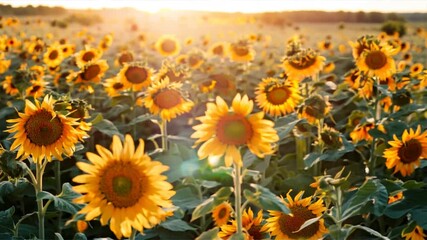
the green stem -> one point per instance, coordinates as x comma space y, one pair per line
238, 198
301, 147
200, 196
16, 230
57, 173
133, 235
38, 186
317, 167
338, 205
164, 132
377, 117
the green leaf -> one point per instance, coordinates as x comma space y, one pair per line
237, 236
408, 109
209, 204
98, 118
63, 202
413, 202
283, 131
265, 199
6, 220
185, 198
108, 128
6, 188
140, 119
369, 230
212, 234
409, 228
80, 236
177, 225
58, 236
412, 184
308, 223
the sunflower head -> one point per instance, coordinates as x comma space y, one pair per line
404, 154
314, 108
361, 131
124, 57
136, 75
241, 51
175, 73
53, 55
331, 138
195, 59
377, 61
167, 45
401, 97
395, 197
222, 213
361, 44
252, 226
416, 69
285, 226
219, 49
124, 187
87, 55
114, 87
416, 234
305, 63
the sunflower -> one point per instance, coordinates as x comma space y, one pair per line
113, 86
405, 46
277, 97
42, 132
416, 234
173, 72
252, 227
68, 49
325, 45
328, 68
135, 75
401, 66
166, 99
285, 226
222, 213
223, 130
53, 55
87, 55
224, 83
377, 61
124, 187
195, 59
361, 131
416, 69
360, 45
91, 74
124, 57
241, 51
167, 45
305, 63
9, 86
314, 108
396, 197
4, 63
36, 47
407, 57
405, 154
36, 89
219, 49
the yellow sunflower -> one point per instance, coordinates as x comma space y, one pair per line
377, 61
360, 45
9, 87
325, 45
166, 99
172, 71
123, 187
124, 57
361, 131
416, 69
314, 108
277, 97
285, 226
405, 154
396, 197
241, 51
195, 59
252, 227
221, 213
4, 63
405, 46
305, 63
42, 132
89, 54
328, 68
219, 49
113, 86
135, 75
53, 56
224, 83
36, 89
90, 74
168, 45
223, 130
416, 234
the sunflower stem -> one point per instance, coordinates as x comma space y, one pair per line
238, 198
38, 187
377, 117
57, 173
301, 146
317, 167
164, 132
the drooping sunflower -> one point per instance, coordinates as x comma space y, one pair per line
175, 73
135, 75
167, 100
361, 131
113, 86
168, 45
89, 54
277, 97
252, 227
221, 213
53, 55
377, 61
305, 63
416, 234
124, 187
314, 108
285, 226
405, 154
223, 130
42, 132
241, 51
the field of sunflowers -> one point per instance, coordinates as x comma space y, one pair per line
211, 128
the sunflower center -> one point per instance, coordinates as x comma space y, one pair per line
88, 56
234, 129
173, 77
290, 224
91, 72
136, 75
303, 63
122, 184
255, 232
218, 50
168, 45
38, 48
222, 213
167, 99
193, 60
241, 50
118, 86
35, 89
42, 129
278, 95
410, 151
125, 57
53, 55
376, 59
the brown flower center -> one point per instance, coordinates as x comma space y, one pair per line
35, 89
303, 63
118, 86
234, 129
125, 57
222, 213
122, 184
173, 77
167, 99
278, 95
410, 151
53, 55
218, 50
136, 74
88, 56
241, 50
376, 59
168, 45
91, 72
290, 224
42, 129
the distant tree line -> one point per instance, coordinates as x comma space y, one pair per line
30, 10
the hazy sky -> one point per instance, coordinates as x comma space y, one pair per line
238, 5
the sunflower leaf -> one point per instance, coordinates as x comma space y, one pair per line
367, 229
265, 199
63, 202
177, 225
308, 223
6, 220
209, 235
108, 128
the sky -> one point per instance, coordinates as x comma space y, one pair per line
248, 6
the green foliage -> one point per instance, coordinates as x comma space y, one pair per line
390, 27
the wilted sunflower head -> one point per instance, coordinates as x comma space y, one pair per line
314, 108
331, 138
